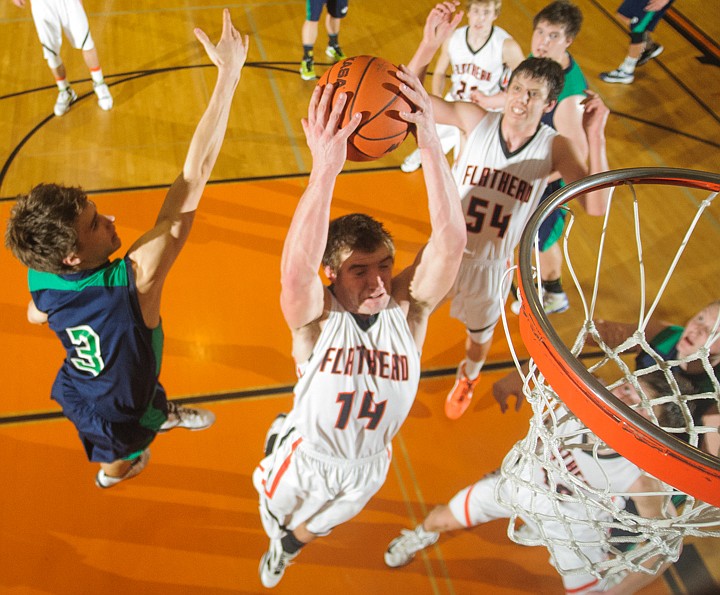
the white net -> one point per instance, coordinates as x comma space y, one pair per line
596, 511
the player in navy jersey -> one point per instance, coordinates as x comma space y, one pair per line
107, 313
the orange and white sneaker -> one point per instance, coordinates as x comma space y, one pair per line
458, 399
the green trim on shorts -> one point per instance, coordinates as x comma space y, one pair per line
641, 26
308, 10
556, 232
133, 456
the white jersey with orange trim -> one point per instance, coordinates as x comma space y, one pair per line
500, 189
481, 70
358, 386
609, 471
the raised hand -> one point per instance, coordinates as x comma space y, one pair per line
327, 141
441, 22
595, 115
231, 51
422, 117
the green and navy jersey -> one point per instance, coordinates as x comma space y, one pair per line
574, 84
665, 343
108, 383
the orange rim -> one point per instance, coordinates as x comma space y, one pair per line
661, 454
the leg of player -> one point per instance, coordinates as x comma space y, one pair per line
281, 553
468, 375
105, 100
555, 300
333, 50
402, 549
307, 64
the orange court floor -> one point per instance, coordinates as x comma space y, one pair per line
189, 522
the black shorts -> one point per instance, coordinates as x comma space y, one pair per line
336, 8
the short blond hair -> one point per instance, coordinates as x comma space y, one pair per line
496, 3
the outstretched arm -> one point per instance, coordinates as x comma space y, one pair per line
426, 282
155, 252
571, 164
302, 295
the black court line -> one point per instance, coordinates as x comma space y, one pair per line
267, 391
281, 67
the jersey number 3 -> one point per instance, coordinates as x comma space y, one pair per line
87, 348
369, 408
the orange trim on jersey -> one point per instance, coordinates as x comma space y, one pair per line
285, 464
468, 522
582, 588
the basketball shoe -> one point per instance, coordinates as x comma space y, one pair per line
335, 53
403, 549
105, 481
412, 162
617, 76
652, 50
555, 303
458, 399
307, 70
187, 417
105, 100
64, 100
273, 564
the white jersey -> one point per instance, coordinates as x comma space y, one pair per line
480, 70
500, 190
610, 471
357, 388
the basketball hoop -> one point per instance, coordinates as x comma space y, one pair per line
570, 403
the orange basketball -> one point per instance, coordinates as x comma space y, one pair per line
373, 89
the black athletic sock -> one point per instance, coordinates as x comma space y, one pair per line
308, 52
553, 286
290, 543
333, 40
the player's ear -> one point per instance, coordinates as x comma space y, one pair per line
330, 274
550, 106
72, 260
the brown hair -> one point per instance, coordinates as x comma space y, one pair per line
41, 231
354, 232
542, 69
564, 14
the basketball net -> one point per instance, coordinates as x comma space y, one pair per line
591, 524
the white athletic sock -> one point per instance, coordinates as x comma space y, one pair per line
628, 65
472, 369
97, 76
421, 532
62, 84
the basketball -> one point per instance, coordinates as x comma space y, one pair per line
373, 90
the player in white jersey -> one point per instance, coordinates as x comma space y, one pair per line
52, 18
480, 57
504, 160
356, 343
479, 503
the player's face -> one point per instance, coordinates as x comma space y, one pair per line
697, 332
481, 17
362, 282
628, 395
527, 100
97, 238
549, 41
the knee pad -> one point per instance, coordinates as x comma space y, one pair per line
481, 335
637, 37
